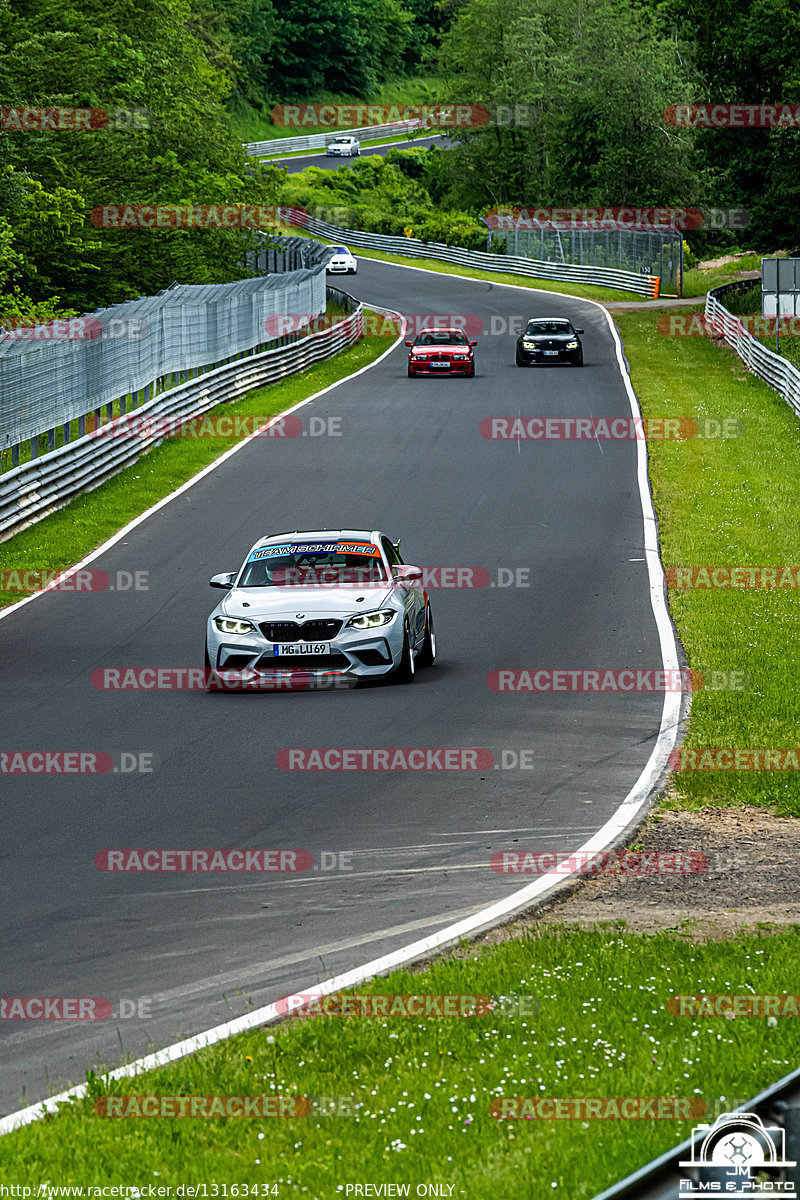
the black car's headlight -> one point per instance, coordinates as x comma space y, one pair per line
372, 620
529, 344
572, 346
233, 625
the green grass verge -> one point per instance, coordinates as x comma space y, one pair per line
697, 282
727, 502
421, 1089
68, 535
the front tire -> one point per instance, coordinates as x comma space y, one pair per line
520, 362
427, 655
405, 670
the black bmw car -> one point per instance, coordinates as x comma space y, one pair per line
549, 340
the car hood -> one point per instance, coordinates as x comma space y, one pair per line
557, 339
311, 601
447, 347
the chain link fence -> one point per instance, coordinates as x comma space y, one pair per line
113, 360
646, 251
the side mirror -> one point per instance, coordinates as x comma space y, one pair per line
579, 331
222, 581
407, 574
473, 343
409, 343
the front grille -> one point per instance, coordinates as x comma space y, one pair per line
303, 662
304, 631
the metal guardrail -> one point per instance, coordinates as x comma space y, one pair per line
314, 141
773, 368
39, 487
660, 1179
627, 281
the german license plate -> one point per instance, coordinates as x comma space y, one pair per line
288, 649
441, 365
551, 352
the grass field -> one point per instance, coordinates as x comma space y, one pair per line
594, 1023
727, 502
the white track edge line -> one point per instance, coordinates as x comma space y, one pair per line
625, 815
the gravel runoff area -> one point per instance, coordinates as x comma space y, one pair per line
750, 882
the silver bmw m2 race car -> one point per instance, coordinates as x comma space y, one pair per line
330, 604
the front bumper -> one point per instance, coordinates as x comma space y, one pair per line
535, 356
354, 654
338, 269
460, 367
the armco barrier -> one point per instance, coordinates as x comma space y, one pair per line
626, 281
39, 487
773, 368
314, 141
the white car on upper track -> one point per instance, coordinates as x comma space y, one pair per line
342, 262
343, 147
319, 605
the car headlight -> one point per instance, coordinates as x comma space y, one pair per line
529, 342
372, 620
233, 625
572, 345
459, 357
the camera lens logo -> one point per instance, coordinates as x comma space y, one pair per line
736, 1145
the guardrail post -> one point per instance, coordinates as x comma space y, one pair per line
51, 438
34, 447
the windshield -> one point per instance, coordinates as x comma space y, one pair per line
335, 564
548, 327
341, 250
444, 337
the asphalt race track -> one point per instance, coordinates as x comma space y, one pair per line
201, 948
318, 158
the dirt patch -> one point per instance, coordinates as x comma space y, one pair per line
751, 879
